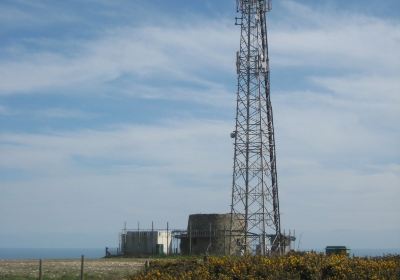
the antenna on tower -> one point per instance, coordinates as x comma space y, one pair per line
269, 5
238, 5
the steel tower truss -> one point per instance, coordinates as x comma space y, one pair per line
255, 189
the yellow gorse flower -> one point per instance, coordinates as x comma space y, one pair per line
292, 266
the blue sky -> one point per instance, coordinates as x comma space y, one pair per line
114, 111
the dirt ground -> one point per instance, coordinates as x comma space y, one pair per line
70, 269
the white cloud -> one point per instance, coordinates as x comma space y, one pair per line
23, 14
49, 113
170, 52
363, 88
337, 140
169, 146
335, 39
62, 113
4, 110
321, 201
177, 165
354, 102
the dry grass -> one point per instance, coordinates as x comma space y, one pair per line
70, 269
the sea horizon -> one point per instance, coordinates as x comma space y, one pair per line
50, 253
97, 253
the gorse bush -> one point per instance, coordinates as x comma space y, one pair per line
294, 266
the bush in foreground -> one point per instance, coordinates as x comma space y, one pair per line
306, 266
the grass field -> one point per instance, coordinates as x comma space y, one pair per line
112, 269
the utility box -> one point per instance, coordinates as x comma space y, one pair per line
337, 250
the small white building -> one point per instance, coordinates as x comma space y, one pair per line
142, 243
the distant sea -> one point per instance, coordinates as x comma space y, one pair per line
50, 253
96, 253
368, 252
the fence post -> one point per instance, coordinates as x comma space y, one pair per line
190, 238
210, 238
167, 239
82, 265
224, 240
152, 238
40, 270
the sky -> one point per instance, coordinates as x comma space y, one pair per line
121, 111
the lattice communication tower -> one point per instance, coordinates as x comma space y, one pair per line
255, 188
